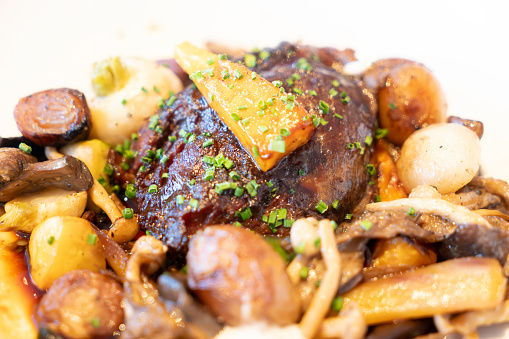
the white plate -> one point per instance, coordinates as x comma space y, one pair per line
54, 43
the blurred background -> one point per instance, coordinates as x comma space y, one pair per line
53, 43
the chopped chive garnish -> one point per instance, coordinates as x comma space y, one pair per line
209, 174
196, 76
108, 169
277, 146
156, 90
304, 271
250, 60
208, 142
378, 198
235, 117
245, 121
381, 133
228, 163
154, 120
128, 213
164, 159
335, 204
180, 200
411, 212
194, 203
130, 191
371, 169
165, 175
242, 107
322, 207
102, 181
124, 101
222, 57
263, 128
313, 93
333, 92
368, 140
392, 105
92, 239
317, 243
253, 76
230, 86
51, 240
256, 153
338, 116
211, 96
284, 132
224, 74
366, 225
246, 213
234, 175
239, 191
171, 100
134, 136
237, 74
277, 83
334, 225
323, 106
96, 322
172, 138
348, 216
143, 89
337, 304
345, 99
264, 55
298, 91
152, 188
25, 148
335, 83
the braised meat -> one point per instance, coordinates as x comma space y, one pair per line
177, 196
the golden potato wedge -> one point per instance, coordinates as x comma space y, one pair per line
268, 123
451, 286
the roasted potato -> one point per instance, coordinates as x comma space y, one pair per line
61, 244
240, 277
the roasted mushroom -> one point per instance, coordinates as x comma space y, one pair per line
20, 173
53, 117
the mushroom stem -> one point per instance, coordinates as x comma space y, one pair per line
122, 230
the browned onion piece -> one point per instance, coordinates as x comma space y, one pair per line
53, 117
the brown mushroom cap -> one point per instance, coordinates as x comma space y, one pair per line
21, 173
